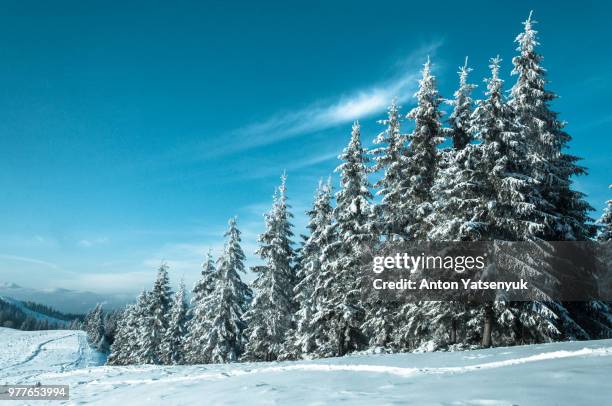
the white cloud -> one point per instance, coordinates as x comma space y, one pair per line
88, 243
326, 114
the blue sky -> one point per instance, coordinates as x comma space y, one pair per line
130, 133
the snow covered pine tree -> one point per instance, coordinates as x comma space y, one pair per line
155, 320
225, 307
198, 324
421, 168
340, 311
172, 345
302, 338
269, 318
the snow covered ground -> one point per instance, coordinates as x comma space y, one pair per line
576, 373
24, 355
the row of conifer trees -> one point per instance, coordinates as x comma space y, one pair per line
504, 176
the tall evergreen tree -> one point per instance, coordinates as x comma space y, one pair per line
270, 316
391, 159
422, 155
340, 311
159, 303
149, 333
225, 307
172, 346
198, 324
302, 339
565, 210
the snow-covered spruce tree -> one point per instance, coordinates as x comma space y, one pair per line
155, 319
421, 165
172, 346
94, 327
269, 318
198, 324
459, 120
340, 312
120, 347
126, 348
421, 157
301, 340
148, 337
391, 214
225, 307
390, 158
566, 209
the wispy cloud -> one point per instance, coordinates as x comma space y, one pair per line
28, 260
330, 113
88, 243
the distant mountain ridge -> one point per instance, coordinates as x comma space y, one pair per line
64, 300
27, 311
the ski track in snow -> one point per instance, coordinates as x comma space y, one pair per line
37, 350
575, 373
45, 351
382, 369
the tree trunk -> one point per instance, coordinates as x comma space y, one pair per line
487, 327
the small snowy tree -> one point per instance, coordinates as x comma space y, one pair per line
172, 346
270, 316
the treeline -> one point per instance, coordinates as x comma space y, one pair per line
505, 176
13, 316
51, 312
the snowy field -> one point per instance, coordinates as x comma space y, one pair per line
577, 373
